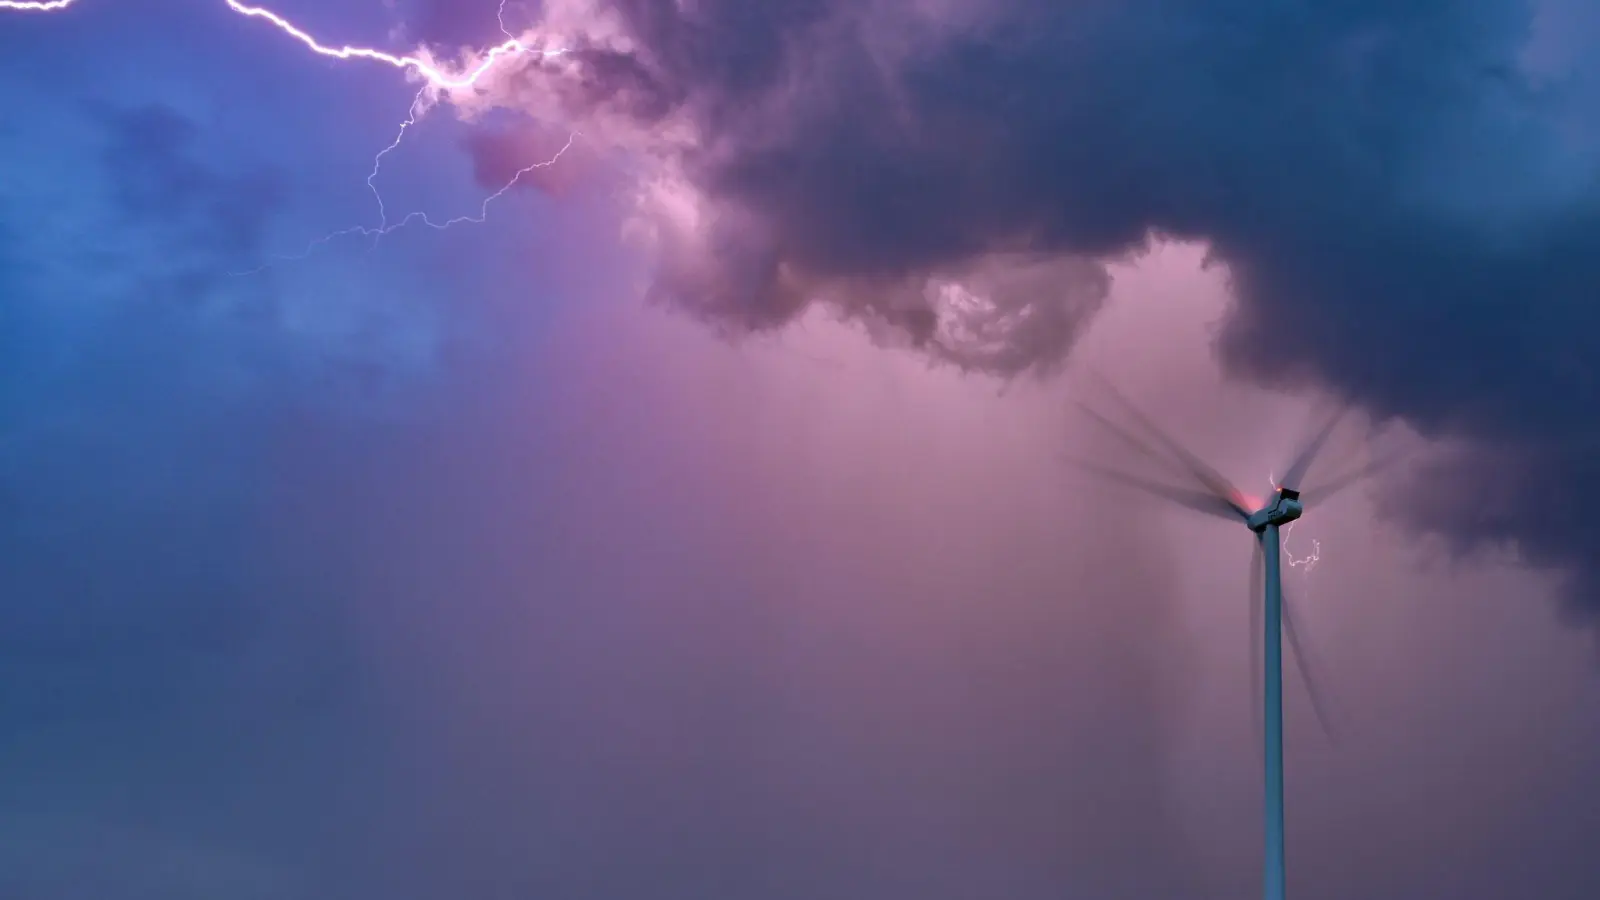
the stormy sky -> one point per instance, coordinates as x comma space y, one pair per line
697, 526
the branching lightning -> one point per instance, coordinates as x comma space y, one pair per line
384, 226
434, 79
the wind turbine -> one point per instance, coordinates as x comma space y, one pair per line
1270, 620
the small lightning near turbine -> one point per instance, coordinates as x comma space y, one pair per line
434, 78
1310, 560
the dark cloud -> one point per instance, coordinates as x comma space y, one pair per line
1405, 207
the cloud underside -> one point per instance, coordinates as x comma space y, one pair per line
1406, 213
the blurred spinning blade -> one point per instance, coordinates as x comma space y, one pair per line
1306, 662
1300, 648
1197, 501
1164, 449
1328, 489
1301, 464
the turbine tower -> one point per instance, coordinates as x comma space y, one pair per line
1213, 495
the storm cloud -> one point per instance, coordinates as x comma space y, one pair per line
1401, 194
434, 567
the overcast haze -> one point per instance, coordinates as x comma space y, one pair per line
699, 527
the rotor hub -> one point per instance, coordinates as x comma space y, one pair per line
1284, 508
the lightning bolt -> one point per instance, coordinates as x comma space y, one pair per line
36, 5
434, 76
1310, 560
1314, 556
434, 79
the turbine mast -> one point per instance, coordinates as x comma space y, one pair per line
1219, 498
1273, 708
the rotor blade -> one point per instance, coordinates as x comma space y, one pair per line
1197, 501
1207, 476
1337, 483
1302, 463
1258, 602
1143, 447
1307, 665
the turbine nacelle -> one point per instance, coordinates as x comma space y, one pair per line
1284, 508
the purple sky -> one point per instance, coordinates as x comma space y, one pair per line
477, 565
